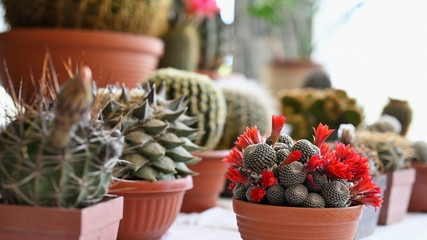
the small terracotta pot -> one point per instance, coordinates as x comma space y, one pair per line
418, 202
112, 56
150, 208
397, 196
208, 184
258, 222
100, 221
370, 215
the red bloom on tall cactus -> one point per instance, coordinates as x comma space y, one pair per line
343, 151
251, 136
336, 169
201, 8
366, 192
234, 157
321, 134
358, 166
268, 178
257, 194
292, 157
236, 176
277, 124
314, 163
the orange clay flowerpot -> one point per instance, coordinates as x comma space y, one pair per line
397, 196
208, 184
150, 208
266, 222
100, 221
112, 56
418, 202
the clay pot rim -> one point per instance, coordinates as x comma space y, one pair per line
419, 165
113, 39
143, 186
212, 154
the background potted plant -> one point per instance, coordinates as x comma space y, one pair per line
55, 167
158, 145
118, 39
418, 202
207, 104
298, 185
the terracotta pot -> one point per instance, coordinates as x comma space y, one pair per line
370, 215
150, 208
418, 202
112, 56
287, 74
397, 196
100, 221
208, 184
258, 222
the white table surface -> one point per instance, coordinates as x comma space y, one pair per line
219, 223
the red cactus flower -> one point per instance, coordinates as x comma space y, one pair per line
336, 169
236, 176
373, 200
234, 157
201, 8
277, 122
257, 194
321, 134
366, 187
358, 166
343, 151
268, 178
314, 163
292, 157
251, 136
311, 181
324, 149
232, 186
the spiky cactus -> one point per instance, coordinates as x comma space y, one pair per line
318, 79
53, 153
401, 110
205, 101
157, 137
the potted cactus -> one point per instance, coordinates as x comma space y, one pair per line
118, 39
158, 142
298, 189
207, 104
418, 202
56, 160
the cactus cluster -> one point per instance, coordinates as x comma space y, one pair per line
308, 107
158, 139
206, 101
148, 17
248, 104
402, 111
54, 152
279, 171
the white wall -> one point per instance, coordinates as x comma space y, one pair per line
379, 52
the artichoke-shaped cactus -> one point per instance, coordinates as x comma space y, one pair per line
158, 139
311, 175
53, 153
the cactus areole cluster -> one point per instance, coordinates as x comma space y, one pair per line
280, 171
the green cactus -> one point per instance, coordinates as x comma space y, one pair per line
182, 48
318, 79
308, 107
420, 148
157, 136
401, 110
148, 17
249, 104
52, 154
206, 101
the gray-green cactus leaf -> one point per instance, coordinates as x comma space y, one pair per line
153, 150
129, 122
163, 176
180, 154
190, 146
165, 164
154, 126
147, 173
187, 120
182, 130
170, 140
143, 112
170, 115
138, 137
176, 103
183, 170
137, 160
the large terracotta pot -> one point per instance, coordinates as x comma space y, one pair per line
112, 56
397, 196
418, 202
370, 215
208, 184
100, 221
150, 208
287, 74
266, 222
